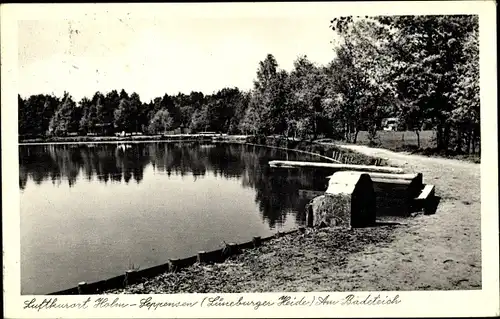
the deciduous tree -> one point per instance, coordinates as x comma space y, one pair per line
161, 122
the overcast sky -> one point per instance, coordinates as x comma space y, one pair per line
157, 56
155, 49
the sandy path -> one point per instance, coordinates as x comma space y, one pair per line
435, 252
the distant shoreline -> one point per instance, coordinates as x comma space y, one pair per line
134, 139
308, 147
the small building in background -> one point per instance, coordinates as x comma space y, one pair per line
390, 124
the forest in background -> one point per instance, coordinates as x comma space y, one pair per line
422, 69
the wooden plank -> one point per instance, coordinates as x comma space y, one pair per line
384, 176
427, 192
392, 181
363, 168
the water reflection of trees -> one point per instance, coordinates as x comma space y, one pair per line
277, 190
65, 162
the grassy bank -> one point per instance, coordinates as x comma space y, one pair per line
406, 141
401, 140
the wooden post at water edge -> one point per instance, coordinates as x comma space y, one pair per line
82, 288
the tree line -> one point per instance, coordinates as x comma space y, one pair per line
422, 69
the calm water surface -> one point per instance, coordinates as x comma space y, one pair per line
92, 211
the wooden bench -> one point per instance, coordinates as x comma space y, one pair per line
391, 178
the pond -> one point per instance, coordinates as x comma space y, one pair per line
92, 211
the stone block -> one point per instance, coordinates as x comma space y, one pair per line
348, 202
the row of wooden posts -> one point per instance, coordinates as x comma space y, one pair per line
173, 265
